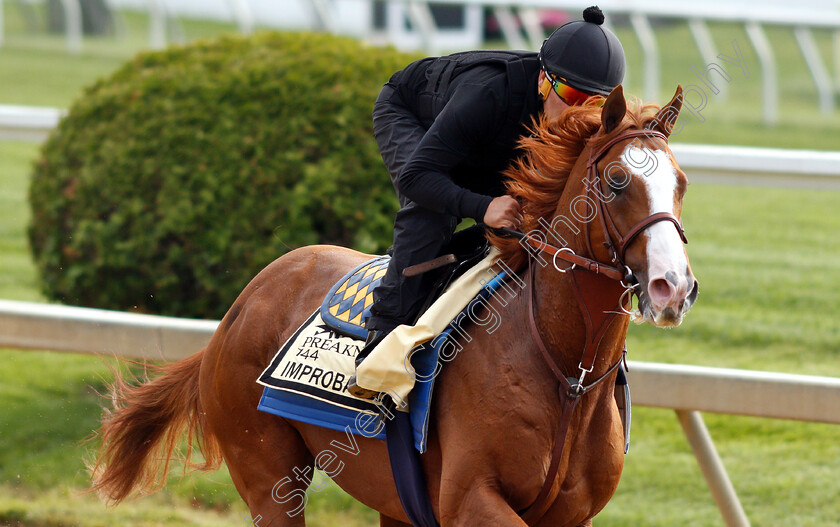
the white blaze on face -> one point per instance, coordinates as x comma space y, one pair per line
665, 250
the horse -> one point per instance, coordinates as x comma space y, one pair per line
506, 447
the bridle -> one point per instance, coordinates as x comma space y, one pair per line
618, 248
603, 291
616, 243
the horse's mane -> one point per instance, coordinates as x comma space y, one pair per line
538, 178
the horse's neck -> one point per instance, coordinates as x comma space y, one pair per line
559, 320
558, 314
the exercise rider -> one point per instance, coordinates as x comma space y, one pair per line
448, 126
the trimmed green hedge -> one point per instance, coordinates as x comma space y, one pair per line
174, 181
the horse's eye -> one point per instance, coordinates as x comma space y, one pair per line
617, 185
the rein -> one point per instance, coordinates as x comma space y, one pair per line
602, 292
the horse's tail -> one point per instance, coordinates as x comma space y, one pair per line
145, 426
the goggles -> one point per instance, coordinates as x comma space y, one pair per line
569, 95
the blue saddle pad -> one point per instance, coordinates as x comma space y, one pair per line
336, 330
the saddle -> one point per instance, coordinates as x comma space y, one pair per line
466, 248
307, 378
346, 307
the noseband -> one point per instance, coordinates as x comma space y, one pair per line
600, 289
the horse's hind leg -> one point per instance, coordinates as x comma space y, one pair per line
267, 458
270, 471
385, 521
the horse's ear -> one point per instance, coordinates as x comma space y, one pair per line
667, 116
614, 109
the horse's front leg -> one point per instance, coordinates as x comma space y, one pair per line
475, 505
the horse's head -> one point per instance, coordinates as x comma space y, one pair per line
639, 194
601, 182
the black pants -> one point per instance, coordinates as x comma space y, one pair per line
419, 233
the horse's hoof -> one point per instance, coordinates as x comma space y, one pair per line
358, 391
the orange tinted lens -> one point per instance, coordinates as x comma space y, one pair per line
572, 96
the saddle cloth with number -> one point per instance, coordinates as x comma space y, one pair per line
307, 379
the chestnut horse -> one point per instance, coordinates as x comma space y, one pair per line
496, 410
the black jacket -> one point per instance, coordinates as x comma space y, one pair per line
474, 107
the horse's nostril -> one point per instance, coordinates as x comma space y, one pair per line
661, 291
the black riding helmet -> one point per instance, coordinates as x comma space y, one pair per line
584, 54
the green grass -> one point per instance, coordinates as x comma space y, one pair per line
18, 277
36, 69
767, 260
739, 118
769, 271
